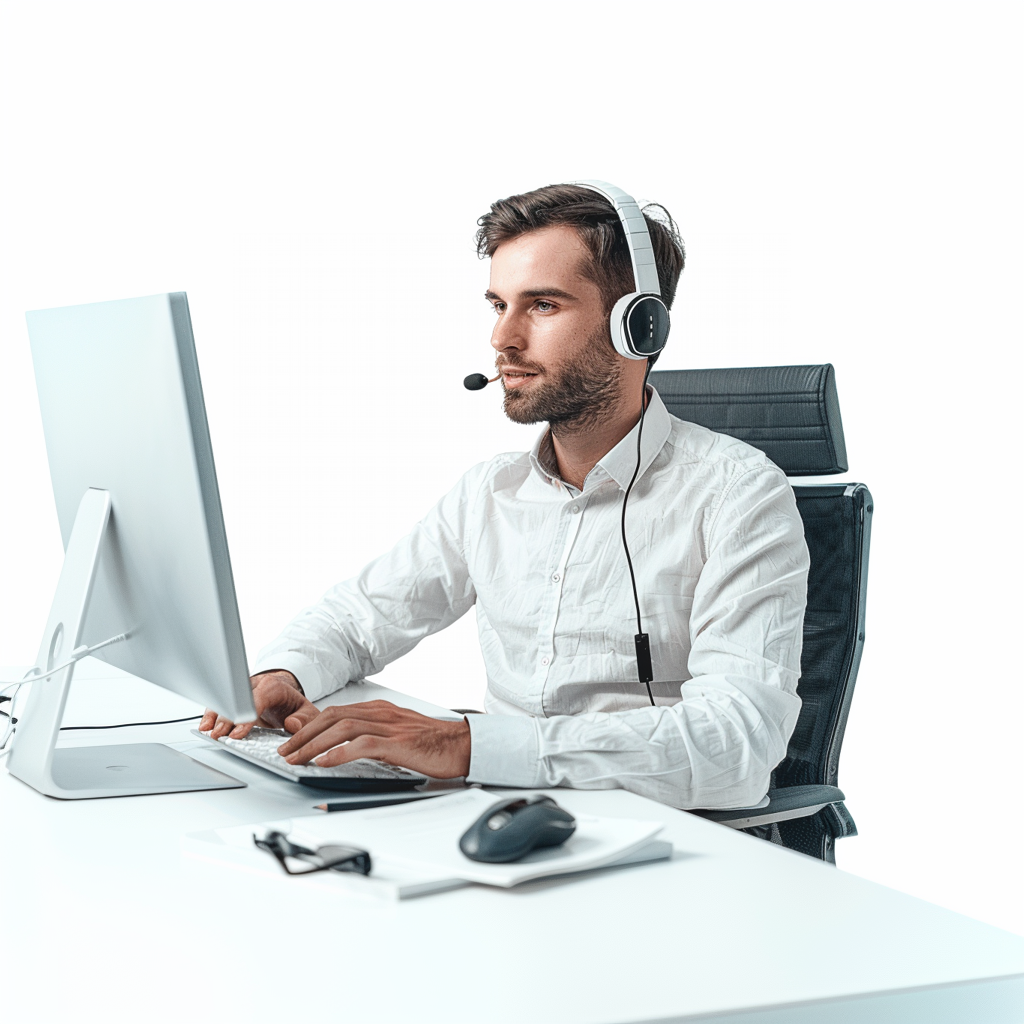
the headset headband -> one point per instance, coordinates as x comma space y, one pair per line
638, 238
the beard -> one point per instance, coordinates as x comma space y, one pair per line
575, 397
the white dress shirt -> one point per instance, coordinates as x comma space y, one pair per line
721, 569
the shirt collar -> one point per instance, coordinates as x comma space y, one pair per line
620, 462
542, 458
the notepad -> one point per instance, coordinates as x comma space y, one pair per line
415, 848
425, 836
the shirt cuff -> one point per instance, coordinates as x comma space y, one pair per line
309, 674
505, 751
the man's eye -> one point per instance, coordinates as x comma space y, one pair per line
499, 307
544, 306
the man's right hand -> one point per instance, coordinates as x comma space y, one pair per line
280, 704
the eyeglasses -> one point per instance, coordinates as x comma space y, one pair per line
326, 858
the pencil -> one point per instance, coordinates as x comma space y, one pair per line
383, 801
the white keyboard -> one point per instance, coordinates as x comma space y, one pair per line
260, 747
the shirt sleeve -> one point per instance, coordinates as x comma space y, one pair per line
419, 587
717, 747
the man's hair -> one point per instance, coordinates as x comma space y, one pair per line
599, 227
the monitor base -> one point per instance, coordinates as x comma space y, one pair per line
129, 769
81, 773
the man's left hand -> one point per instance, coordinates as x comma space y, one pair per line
386, 732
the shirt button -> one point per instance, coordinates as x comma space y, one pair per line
575, 509
556, 577
544, 660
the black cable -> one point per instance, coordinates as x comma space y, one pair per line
642, 642
120, 725
129, 725
7, 714
625, 498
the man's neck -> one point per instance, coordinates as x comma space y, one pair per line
579, 447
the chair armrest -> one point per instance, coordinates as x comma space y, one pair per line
783, 805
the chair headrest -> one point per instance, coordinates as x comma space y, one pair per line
790, 412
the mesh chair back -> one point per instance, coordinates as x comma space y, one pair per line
837, 528
792, 414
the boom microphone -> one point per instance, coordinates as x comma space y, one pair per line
476, 381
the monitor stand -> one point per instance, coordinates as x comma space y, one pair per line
81, 773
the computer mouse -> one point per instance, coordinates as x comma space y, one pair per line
512, 828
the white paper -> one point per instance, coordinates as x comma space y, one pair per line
424, 837
233, 847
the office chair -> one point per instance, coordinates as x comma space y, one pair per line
791, 413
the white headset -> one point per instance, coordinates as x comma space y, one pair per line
639, 321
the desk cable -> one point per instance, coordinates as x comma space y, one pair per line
76, 655
33, 674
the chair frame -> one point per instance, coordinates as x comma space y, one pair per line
788, 803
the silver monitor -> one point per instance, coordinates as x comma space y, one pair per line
146, 555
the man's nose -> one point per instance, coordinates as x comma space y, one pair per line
508, 334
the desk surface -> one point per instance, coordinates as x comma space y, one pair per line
102, 917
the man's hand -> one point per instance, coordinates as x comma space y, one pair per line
280, 704
381, 730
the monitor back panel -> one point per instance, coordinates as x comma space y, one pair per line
123, 410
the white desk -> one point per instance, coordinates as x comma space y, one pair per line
101, 918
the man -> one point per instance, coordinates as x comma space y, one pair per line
533, 541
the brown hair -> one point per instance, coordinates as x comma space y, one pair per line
600, 229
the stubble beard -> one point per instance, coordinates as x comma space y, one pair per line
576, 397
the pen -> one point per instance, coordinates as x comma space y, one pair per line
383, 801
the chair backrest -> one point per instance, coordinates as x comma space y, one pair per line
791, 413
837, 527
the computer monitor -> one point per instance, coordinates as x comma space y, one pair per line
146, 553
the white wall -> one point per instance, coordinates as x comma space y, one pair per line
847, 178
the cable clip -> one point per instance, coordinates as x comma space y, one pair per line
644, 665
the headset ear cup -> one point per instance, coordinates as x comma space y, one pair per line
639, 325
618, 328
647, 325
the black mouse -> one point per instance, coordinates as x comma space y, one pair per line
512, 828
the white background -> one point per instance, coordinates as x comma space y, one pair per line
847, 179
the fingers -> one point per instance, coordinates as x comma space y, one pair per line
323, 733
379, 712
379, 748
218, 726
221, 727
302, 717
378, 729
276, 701
310, 729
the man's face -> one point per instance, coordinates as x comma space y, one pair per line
554, 353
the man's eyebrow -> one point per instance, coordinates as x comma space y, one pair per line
535, 293
538, 293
